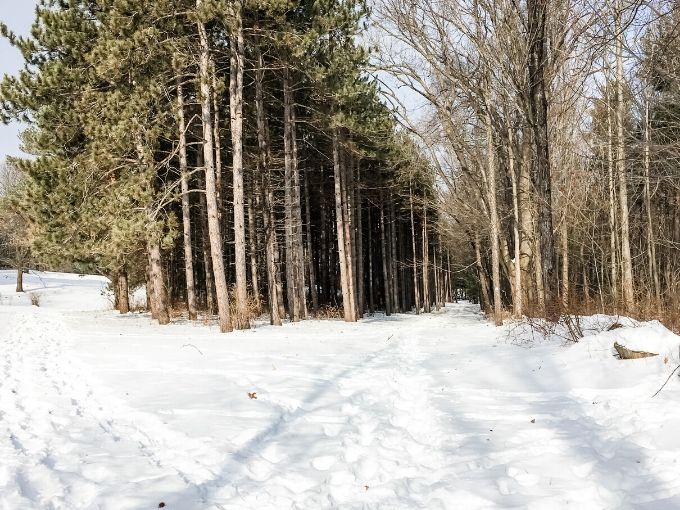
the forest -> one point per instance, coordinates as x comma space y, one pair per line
340, 254
331, 158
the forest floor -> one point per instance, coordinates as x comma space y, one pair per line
99, 410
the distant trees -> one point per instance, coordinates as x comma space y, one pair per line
568, 201
15, 248
234, 157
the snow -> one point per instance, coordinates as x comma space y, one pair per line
437, 411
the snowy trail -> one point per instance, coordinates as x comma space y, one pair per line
434, 411
51, 418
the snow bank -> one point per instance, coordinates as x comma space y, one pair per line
59, 291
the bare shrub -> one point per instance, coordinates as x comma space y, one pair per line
329, 312
529, 330
35, 298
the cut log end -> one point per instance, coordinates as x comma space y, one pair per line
625, 353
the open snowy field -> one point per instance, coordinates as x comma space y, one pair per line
99, 410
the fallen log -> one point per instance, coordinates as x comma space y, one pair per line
625, 353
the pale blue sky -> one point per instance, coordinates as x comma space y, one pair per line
18, 15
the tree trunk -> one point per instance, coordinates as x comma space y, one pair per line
294, 250
393, 257
564, 279
426, 263
371, 298
651, 243
483, 279
20, 279
310, 253
517, 295
186, 205
385, 256
493, 211
614, 274
241, 319
537, 11
325, 256
346, 181
221, 289
626, 260
361, 304
253, 248
218, 150
271, 243
342, 232
414, 252
159, 296
123, 291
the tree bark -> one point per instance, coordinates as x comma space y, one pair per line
274, 286
20, 279
295, 283
342, 232
651, 242
426, 262
626, 260
310, 253
385, 257
493, 211
221, 289
517, 295
537, 11
241, 319
371, 298
359, 240
123, 291
186, 205
393, 257
414, 253
159, 296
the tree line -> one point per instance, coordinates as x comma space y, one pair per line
235, 157
552, 126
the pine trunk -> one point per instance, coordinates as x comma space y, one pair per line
186, 205
342, 232
159, 296
310, 253
123, 291
414, 252
221, 289
385, 257
241, 319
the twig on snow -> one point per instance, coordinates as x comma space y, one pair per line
664, 384
192, 345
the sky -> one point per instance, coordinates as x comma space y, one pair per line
18, 16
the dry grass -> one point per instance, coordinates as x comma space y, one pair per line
328, 312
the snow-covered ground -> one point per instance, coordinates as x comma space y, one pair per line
99, 410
